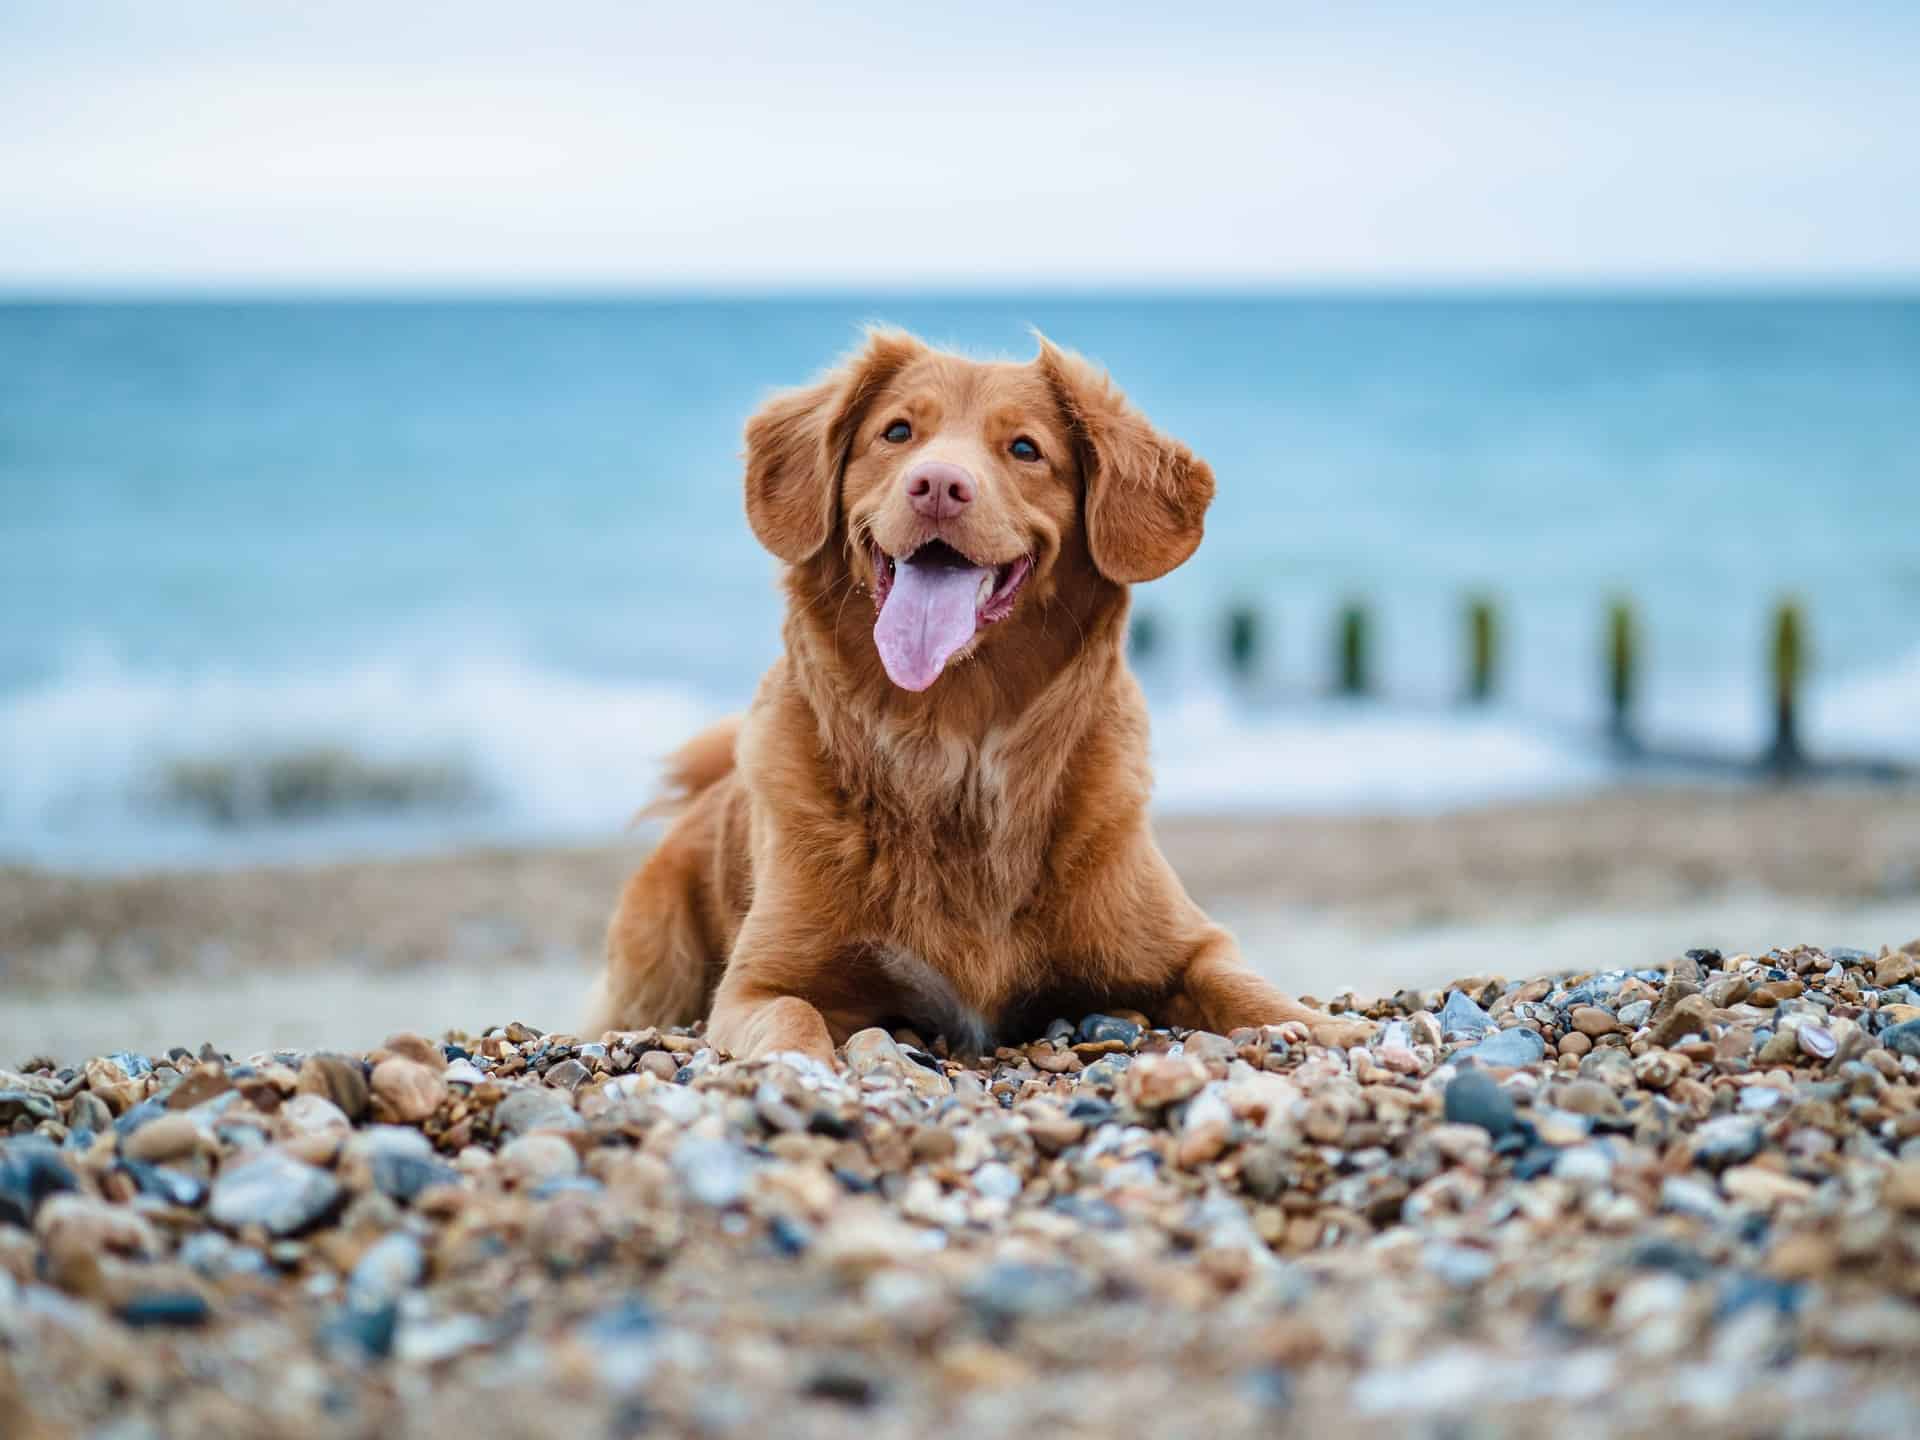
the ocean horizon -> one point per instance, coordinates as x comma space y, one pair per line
323, 576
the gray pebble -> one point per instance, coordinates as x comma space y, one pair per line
1475, 1098
714, 1171
30, 1171
1903, 1039
1507, 1049
19, 1104
1461, 1019
1727, 1140
275, 1191
1097, 1028
391, 1266
533, 1108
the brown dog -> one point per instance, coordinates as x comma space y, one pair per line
938, 815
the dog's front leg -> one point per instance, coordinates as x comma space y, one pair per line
1219, 993
778, 989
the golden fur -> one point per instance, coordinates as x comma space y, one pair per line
974, 858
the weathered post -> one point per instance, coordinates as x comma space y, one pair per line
1789, 672
1352, 662
1482, 649
1623, 661
1143, 635
1243, 642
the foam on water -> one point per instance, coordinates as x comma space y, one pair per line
1211, 757
109, 765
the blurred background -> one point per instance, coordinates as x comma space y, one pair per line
371, 383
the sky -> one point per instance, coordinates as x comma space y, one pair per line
261, 144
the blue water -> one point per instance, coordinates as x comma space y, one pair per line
503, 541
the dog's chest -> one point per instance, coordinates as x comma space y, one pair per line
946, 845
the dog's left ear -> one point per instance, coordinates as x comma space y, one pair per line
797, 445
1147, 494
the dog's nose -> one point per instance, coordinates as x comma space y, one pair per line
938, 490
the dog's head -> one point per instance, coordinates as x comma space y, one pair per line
963, 494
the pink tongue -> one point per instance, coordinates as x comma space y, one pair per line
929, 613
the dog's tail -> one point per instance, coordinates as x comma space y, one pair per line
698, 765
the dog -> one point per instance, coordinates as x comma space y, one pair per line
935, 809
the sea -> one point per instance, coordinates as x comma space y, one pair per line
301, 579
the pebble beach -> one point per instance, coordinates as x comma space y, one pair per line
1606, 1203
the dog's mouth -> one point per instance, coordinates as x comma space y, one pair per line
932, 602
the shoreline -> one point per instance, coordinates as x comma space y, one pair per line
348, 952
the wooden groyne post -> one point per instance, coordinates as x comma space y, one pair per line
1483, 638
1243, 641
1789, 666
1143, 635
1353, 667
1623, 660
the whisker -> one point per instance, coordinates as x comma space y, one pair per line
837, 615
846, 580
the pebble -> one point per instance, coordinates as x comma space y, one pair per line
1535, 1228
170, 1137
418, 1049
309, 1114
70, 1225
396, 1160
1903, 1039
30, 1171
165, 1184
1727, 1140
273, 1191
1105, 1029
166, 1309
867, 1049
1475, 1098
1584, 1165
1461, 1019
714, 1171
533, 1159
362, 1331
1506, 1050
1156, 1081
1760, 1185
1817, 1041
338, 1079
1593, 1022
996, 1181
405, 1091
871, 1050
1688, 1017
530, 1108
390, 1267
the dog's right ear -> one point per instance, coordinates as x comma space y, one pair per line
797, 445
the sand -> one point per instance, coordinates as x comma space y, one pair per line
345, 954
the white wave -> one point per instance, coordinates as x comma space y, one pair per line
535, 754
548, 755
1876, 713
1210, 755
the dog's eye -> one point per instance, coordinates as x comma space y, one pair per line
1024, 449
899, 432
